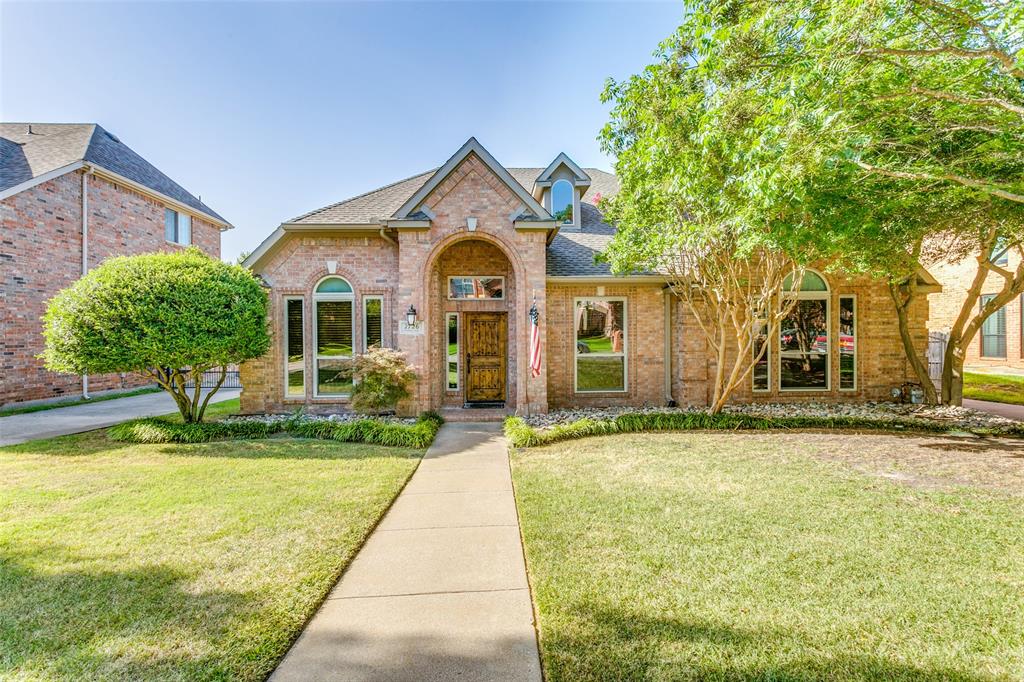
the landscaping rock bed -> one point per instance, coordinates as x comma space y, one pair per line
930, 416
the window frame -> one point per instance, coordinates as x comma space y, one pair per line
810, 296
856, 341
982, 302
624, 353
284, 335
767, 358
448, 293
177, 226
572, 201
458, 352
372, 297
332, 296
1002, 248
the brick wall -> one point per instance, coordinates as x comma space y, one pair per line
880, 361
41, 253
368, 262
946, 306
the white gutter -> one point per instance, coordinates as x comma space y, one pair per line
86, 170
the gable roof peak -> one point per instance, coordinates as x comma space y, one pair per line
472, 146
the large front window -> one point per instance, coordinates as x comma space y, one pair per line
600, 345
993, 331
803, 338
335, 331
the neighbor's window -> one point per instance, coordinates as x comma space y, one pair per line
177, 227
600, 345
562, 202
373, 322
803, 338
476, 287
452, 324
1000, 252
762, 373
847, 343
294, 351
993, 331
335, 329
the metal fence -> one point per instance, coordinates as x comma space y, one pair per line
210, 378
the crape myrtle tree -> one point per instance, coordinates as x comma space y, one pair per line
873, 134
678, 131
170, 316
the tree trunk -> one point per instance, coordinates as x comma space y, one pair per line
920, 368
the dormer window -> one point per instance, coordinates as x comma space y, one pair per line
562, 202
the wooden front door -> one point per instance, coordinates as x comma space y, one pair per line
486, 341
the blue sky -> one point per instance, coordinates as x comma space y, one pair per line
269, 110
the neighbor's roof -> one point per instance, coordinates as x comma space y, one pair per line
30, 150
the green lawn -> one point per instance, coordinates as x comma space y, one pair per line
771, 556
76, 401
176, 562
995, 387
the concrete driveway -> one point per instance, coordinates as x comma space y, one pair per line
1002, 409
60, 421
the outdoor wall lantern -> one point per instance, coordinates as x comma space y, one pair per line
410, 316
471, 224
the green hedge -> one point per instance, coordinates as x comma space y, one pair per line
157, 430
522, 435
418, 435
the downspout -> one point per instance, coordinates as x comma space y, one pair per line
667, 294
387, 237
86, 170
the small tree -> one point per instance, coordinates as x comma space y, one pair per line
382, 379
170, 316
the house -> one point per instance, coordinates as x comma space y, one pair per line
72, 195
1000, 341
445, 266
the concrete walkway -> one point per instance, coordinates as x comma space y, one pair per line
439, 591
1002, 409
60, 421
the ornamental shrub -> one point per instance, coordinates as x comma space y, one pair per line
165, 315
382, 379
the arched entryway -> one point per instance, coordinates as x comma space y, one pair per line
473, 335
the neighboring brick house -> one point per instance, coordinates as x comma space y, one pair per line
445, 266
71, 196
1000, 342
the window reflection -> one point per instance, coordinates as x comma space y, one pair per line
803, 345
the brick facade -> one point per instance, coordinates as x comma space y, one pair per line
945, 307
411, 268
41, 253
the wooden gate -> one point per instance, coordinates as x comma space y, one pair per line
936, 352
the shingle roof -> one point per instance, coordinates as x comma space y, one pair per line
570, 254
49, 146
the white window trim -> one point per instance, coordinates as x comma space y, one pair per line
575, 202
811, 296
366, 326
316, 329
177, 222
981, 329
452, 298
458, 353
284, 326
768, 357
856, 342
625, 346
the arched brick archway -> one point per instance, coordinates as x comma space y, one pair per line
481, 254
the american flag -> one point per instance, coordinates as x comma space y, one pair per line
534, 339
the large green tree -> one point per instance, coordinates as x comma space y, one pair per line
171, 316
873, 134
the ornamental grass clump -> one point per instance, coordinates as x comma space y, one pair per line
157, 430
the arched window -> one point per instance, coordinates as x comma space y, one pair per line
333, 336
804, 336
562, 202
